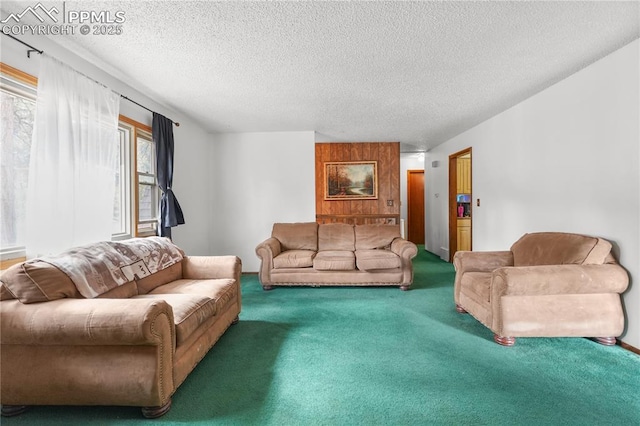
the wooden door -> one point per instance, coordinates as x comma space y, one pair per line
415, 206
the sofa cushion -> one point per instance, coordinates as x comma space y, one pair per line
335, 260
294, 259
600, 254
375, 236
167, 275
296, 236
221, 290
336, 236
124, 291
37, 281
559, 248
189, 311
370, 260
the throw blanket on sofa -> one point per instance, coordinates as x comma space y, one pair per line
99, 267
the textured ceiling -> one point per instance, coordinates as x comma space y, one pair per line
415, 72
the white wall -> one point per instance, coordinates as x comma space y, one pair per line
259, 179
566, 159
192, 144
190, 185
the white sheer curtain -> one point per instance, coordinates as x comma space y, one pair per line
73, 161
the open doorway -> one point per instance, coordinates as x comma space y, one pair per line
460, 212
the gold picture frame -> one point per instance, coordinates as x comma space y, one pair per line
351, 180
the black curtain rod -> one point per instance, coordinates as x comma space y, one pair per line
142, 106
33, 49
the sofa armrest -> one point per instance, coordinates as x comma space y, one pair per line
558, 279
481, 261
404, 248
87, 322
268, 249
211, 267
477, 261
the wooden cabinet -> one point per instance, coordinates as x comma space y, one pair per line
463, 178
464, 234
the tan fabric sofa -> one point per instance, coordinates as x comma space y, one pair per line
132, 345
549, 284
335, 254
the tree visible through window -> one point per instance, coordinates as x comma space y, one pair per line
18, 110
147, 183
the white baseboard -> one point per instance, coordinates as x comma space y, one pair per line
444, 254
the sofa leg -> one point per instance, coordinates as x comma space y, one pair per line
235, 321
606, 341
404, 287
504, 341
267, 287
13, 410
155, 412
460, 309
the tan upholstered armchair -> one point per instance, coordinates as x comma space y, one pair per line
549, 284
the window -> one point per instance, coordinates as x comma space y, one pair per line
17, 97
147, 184
136, 195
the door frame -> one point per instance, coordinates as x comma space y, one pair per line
453, 192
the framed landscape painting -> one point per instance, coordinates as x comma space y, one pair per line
351, 180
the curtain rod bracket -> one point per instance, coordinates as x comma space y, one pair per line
33, 50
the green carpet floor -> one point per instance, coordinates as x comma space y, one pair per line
381, 356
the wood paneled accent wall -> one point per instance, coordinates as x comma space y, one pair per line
387, 154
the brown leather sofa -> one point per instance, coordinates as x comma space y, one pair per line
549, 284
132, 345
336, 254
